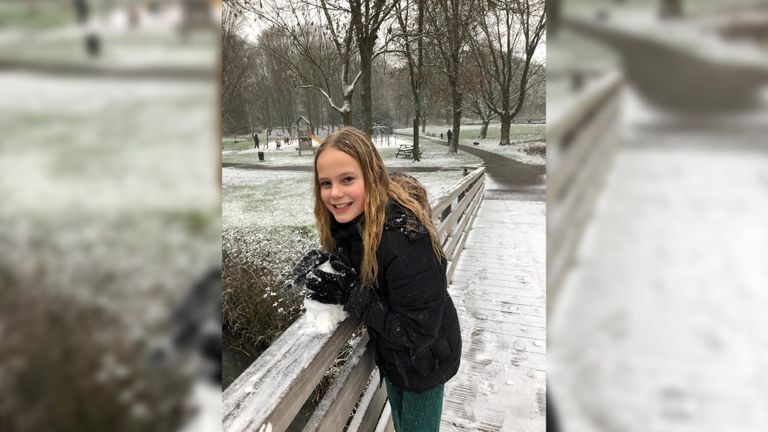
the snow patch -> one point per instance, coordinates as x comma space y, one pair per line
326, 267
321, 317
206, 399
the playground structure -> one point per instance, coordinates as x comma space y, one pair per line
381, 134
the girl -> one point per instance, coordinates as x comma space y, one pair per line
390, 274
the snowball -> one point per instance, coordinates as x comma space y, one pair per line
326, 267
321, 317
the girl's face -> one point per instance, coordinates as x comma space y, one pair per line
342, 187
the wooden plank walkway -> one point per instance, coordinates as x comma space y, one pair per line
499, 291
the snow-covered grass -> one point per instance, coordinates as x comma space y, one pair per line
265, 199
110, 209
469, 132
45, 15
271, 198
155, 42
433, 154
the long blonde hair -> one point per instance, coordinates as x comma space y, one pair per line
378, 191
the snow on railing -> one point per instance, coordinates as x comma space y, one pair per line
582, 138
268, 395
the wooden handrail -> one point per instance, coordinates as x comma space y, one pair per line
270, 393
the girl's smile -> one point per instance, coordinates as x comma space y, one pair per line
342, 187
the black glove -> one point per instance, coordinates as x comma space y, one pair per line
308, 262
331, 288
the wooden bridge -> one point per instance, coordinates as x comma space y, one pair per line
495, 272
652, 314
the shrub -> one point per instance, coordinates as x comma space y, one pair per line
66, 366
536, 149
256, 265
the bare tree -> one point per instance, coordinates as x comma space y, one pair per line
236, 60
475, 85
512, 31
410, 34
367, 17
452, 22
322, 37
273, 93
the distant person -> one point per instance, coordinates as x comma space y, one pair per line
389, 272
255, 140
450, 135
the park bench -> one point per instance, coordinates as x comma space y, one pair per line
406, 151
306, 145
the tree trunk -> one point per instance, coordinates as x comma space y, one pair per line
346, 116
416, 121
366, 54
506, 122
456, 102
484, 128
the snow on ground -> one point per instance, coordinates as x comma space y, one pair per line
100, 181
269, 198
499, 291
266, 198
155, 42
104, 145
433, 154
659, 325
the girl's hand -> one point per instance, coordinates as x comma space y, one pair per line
306, 264
331, 287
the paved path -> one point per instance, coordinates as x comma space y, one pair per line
499, 291
509, 179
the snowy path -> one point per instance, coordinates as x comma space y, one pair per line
660, 325
499, 291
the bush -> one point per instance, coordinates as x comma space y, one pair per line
70, 367
536, 149
256, 265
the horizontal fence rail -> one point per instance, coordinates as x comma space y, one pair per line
271, 391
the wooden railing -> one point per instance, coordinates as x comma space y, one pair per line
269, 394
582, 139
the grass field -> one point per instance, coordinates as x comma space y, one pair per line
16, 14
433, 154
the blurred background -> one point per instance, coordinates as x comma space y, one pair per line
657, 117
110, 218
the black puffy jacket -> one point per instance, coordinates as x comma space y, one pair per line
411, 319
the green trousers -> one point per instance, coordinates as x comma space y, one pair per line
414, 412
